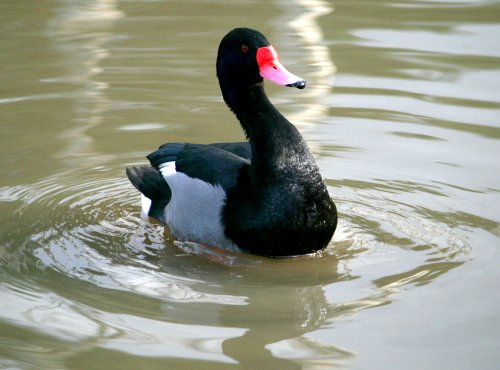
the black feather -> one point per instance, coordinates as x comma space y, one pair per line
216, 164
150, 182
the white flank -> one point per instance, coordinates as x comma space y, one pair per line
194, 212
145, 204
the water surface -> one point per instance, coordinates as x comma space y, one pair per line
402, 111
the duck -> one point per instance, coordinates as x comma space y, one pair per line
264, 196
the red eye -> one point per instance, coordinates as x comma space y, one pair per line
245, 48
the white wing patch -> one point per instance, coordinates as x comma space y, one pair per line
194, 211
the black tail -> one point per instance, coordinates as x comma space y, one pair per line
151, 183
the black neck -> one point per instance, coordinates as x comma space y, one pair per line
276, 143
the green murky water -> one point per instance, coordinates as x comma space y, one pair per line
402, 112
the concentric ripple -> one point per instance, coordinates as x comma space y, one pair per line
89, 228
128, 277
